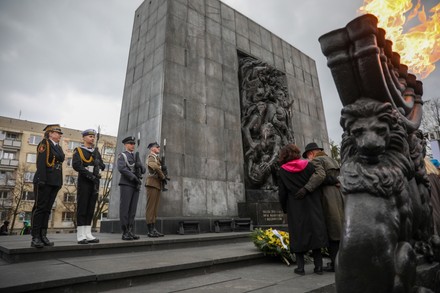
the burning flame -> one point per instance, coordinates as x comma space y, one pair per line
419, 48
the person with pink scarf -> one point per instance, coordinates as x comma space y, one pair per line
305, 218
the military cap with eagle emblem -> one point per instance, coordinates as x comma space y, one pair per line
130, 139
53, 128
88, 132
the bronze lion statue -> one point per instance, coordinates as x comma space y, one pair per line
387, 212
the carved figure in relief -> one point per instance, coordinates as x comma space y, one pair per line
265, 120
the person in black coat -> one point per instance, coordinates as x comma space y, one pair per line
4, 228
83, 161
129, 185
307, 230
47, 181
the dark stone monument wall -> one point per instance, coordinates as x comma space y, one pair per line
182, 85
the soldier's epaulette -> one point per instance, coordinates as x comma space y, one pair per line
41, 148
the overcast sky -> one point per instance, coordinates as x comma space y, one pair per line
64, 61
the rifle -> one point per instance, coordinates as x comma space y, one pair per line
138, 163
164, 167
97, 162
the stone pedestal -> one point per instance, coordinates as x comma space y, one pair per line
182, 85
263, 207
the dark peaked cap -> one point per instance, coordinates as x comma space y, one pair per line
53, 127
130, 139
153, 144
310, 147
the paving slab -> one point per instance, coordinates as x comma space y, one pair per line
237, 266
269, 277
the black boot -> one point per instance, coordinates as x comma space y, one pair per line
36, 239
130, 231
317, 260
300, 263
44, 238
156, 232
151, 233
125, 233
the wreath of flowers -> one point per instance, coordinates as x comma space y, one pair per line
273, 242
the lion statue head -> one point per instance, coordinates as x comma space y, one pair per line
374, 151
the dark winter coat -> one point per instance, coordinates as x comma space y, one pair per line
305, 217
435, 200
325, 178
50, 158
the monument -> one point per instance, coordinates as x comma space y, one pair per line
225, 93
388, 229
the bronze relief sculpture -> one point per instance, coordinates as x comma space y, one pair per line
265, 120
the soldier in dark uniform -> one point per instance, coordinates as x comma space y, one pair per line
129, 185
155, 178
87, 162
48, 180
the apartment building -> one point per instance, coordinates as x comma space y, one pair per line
18, 154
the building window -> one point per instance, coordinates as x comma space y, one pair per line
2, 135
4, 194
9, 155
67, 216
28, 195
109, 151
35, 139
70, 180
31, 158
11, 135
7, 178
108, 166
25, 216
69, 162
3, 215
29, 176
73, 144
69, 197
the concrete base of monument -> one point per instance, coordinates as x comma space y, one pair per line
263, 207
176, 225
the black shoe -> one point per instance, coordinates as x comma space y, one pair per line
84, 241
153, 235
44, 239
318, 270
94, 240
126, 236
134, 236
157, 233
36, 242
299, 271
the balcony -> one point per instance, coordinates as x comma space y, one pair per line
8, 183
6, 202
9, 143
13, 163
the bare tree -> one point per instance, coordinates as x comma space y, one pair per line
70, 191
431, 115
103, 197
23, 183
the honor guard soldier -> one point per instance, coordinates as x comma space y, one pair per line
129, 187
155, 178
88, 163
48, 180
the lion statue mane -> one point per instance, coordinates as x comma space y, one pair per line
387, 201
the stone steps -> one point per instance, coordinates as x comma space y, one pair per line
15, 249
